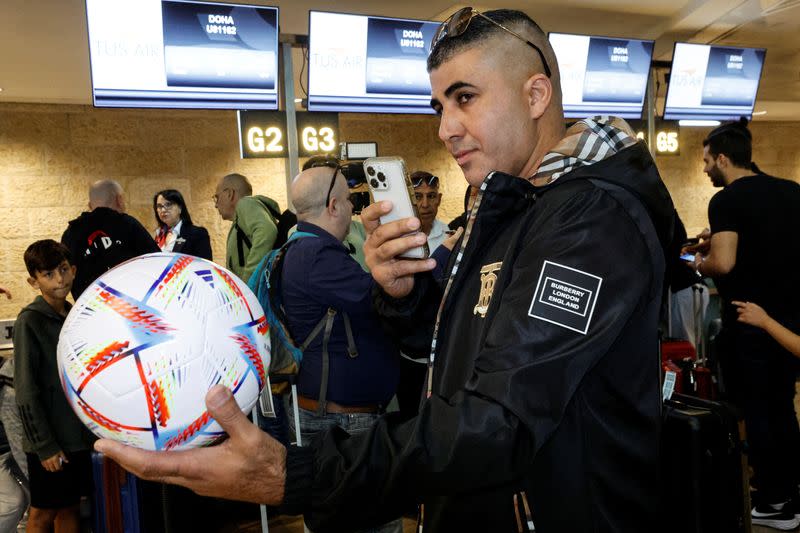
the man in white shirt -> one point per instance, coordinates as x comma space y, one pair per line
426, 190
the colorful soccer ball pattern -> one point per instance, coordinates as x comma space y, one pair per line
145, 342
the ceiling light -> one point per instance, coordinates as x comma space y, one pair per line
298, 100
698, 123
759, 113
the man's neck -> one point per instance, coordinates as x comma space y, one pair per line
735, 173
548, 139
426, 227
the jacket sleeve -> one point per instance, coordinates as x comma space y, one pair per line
525, 375
27, 354
409, 321
259, 227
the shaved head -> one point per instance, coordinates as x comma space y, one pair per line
480, 32
500, 45
309, 194
106, 193
309, 190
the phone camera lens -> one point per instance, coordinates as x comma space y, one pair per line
370, 171
381, 177
374, 183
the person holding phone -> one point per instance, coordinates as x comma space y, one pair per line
535, 413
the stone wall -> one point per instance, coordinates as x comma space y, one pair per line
49, 154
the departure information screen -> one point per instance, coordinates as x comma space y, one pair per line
602, 75
173, 53
713, 82
360, 63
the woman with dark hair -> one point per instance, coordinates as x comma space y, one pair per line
175, 231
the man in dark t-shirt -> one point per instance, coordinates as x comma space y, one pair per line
753, 254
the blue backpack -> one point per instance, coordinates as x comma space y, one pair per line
287, 354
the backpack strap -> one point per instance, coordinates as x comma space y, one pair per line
326, 363
241, 241
352, 351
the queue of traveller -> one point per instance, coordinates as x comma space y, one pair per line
523, 351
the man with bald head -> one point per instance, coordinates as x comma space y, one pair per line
346, 380
104, 236
542, 404
254, 229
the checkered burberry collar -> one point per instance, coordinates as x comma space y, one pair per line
588, 141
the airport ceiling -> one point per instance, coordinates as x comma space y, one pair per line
44, 45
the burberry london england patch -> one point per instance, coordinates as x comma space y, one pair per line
565, 296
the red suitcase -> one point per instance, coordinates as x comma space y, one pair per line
677, 350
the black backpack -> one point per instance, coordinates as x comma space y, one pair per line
283, 221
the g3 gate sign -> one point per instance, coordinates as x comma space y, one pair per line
263, 134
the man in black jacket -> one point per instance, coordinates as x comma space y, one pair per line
104, 236
542, 404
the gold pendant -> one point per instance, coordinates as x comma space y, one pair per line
488, 279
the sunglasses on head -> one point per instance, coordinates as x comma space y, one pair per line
459, 21
432, 181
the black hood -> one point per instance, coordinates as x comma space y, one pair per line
633, 168
98, 217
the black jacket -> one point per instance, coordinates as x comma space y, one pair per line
193, 240
100, 240
553, 395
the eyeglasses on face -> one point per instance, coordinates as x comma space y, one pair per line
459, 21
216, 196
166, 206
431, 197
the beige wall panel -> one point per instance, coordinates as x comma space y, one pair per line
50, 154
22, 158
35, 128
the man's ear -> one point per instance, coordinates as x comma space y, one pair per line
33, 283
74, 270
539, 90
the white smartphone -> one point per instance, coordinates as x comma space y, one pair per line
388, 179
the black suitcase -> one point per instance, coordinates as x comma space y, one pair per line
704, 470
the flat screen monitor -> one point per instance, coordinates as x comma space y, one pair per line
602, 75
359, 63
174, 53
709, 82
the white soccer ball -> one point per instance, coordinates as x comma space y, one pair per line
146, 341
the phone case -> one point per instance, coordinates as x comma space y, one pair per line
388, 179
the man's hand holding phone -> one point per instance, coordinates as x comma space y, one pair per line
384, 245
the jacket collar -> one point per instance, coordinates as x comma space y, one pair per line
587, 142
319, 232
